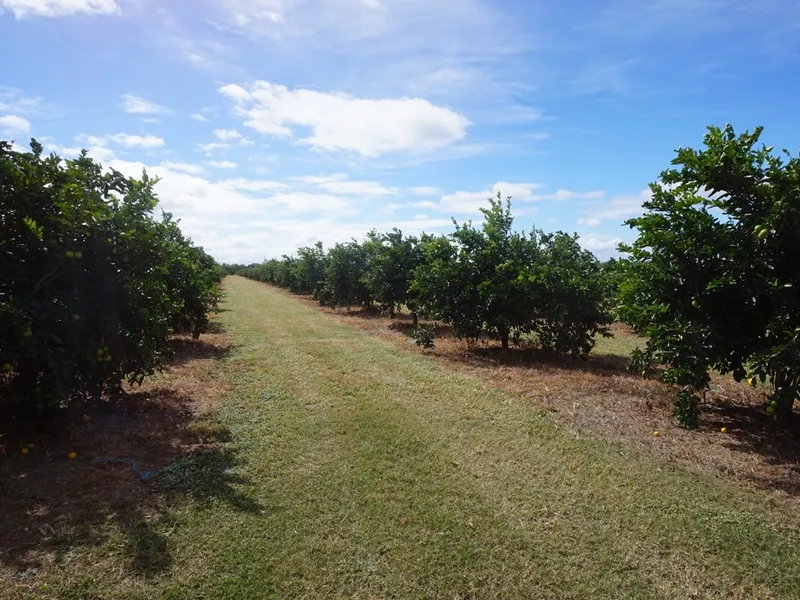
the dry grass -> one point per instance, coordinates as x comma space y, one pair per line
54, 508
600, 395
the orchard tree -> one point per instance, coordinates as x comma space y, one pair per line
714, 279
569, 293
309, 269
343, 284
92, 285
389, 270
473, 279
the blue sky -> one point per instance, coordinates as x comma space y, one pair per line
274, 123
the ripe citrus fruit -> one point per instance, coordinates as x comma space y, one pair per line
724, 430
25, 450
656, 434
72, 455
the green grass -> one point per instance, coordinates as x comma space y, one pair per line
364, 471
622, 344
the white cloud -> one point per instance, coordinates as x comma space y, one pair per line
231, 135
562, 195
12, 124
339, 184
471, 202
390, 208
199, 117
619, 207
603, 246
59, 8
137, 141
183, 167
339, 121
418, 217
211, 147
101, 154
136, 105
63, 151
227, 135
16, 102
589, 222
424, 190
222, 164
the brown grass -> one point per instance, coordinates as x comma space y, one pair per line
52, 505
601, 396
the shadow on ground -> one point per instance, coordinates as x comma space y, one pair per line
52, 505
752, 431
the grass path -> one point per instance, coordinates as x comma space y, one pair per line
369, 472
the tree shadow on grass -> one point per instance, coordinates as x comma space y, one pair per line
208, 347
53, 506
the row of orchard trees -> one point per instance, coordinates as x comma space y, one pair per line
487, 281
712, 281
92, 284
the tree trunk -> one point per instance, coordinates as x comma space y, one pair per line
504, 343
784, 397
416, 320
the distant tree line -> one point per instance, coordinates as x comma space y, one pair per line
488, 281
712, 282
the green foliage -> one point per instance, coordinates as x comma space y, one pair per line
92, 285
344, 276
390, 268
687, 409
503, 284
424, 336
713, 279
640, 361
490, 281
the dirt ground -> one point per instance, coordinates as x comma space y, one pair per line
599, 395
50, 502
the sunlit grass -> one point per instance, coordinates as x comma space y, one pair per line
367, 472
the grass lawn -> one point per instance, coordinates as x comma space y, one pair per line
364, 471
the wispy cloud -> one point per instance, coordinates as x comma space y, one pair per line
13, 124
22, 9
136, 105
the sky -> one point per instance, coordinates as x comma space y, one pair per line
276, 123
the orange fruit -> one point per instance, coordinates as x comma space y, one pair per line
72, 455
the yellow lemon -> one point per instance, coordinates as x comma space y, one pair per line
25, 450
72, 455
656, 434
724, 430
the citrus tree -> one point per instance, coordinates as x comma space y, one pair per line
92, 285
713, 278
389, 270
343, 285
503, 284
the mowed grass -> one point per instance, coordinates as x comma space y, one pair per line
370, 472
